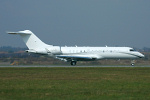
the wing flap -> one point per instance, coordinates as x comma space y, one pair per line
78, 57
73, 56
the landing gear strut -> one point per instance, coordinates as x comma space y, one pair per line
132, 62
73, 63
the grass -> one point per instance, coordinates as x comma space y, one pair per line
98, 83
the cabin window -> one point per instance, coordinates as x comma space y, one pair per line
132, 50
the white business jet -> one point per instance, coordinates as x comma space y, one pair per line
74, 54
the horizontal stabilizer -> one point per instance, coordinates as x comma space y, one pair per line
21, 32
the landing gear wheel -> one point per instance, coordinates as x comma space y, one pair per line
73, 63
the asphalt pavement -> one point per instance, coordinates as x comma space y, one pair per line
72, 66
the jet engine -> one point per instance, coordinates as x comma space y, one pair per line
54, 50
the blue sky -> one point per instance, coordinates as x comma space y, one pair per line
77, 22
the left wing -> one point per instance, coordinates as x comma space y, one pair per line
78, 57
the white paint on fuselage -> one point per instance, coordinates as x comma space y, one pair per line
102, 52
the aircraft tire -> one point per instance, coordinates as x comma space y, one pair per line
73, 63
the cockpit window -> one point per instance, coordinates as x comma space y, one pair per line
132, 50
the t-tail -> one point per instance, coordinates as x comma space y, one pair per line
35, 45
32, 41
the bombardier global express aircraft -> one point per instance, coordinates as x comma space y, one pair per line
74, 54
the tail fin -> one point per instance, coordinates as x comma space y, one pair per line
31, 40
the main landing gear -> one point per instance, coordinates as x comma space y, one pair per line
73, 63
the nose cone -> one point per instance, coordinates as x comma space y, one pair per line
141, 55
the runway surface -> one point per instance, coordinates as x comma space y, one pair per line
71, 66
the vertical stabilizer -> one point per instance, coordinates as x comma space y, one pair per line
31, 40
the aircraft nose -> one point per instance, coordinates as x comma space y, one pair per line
141, 55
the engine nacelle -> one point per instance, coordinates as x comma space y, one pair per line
40, 51
51, 50
54, 50
30, 51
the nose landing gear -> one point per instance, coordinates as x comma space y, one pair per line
132, 62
